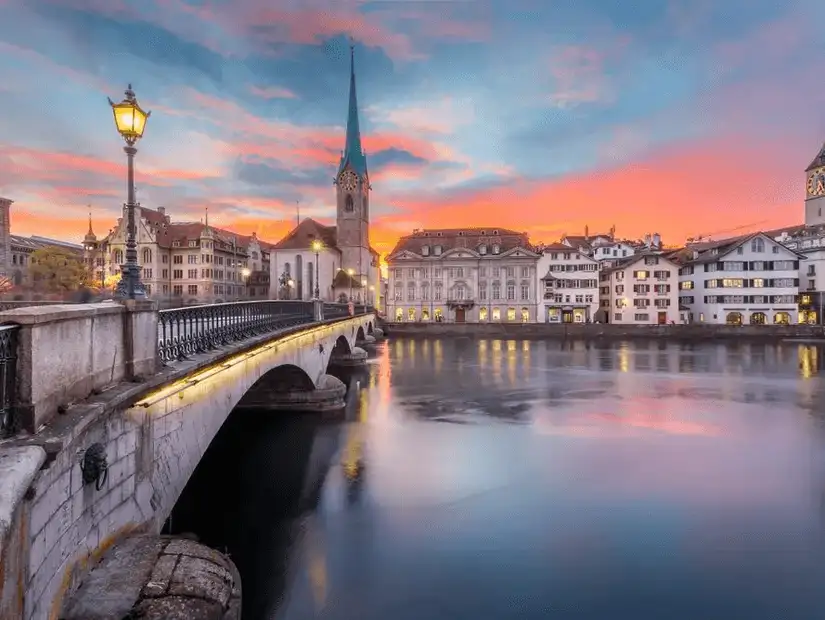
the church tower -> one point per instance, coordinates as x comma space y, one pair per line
352, 188
815, 190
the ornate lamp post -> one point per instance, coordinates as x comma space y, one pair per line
130, 121
317, 246
350, 273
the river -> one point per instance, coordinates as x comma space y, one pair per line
510, 479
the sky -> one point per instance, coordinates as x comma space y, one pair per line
683, 117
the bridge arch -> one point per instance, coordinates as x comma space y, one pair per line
369, 329
342, 346
282, 379
359, 335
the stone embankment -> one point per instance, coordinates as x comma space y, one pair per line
598, 331
158, 578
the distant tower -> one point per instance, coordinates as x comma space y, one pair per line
5, 236
815, 190
352, 192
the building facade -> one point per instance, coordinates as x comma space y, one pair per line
568, 285
185, 262
750, 280
642, 290
345, 266
463, 275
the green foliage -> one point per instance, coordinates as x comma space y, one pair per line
57, 270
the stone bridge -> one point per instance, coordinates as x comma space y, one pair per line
110, 408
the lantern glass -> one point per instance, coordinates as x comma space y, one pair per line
130, 120
317, 246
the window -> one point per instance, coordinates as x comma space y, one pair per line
686, 285
496, 314
177, 274
177, 290
496, 290
411, 291
641, 275
482, 249
525, 292
511, 314
525, 272
641, 317
192, 274
510, 271
438, 292
147, 255
349, 207
758, 245
460, 292
437, 250
511, 292
192, 259
399, 314
425, 291
193, 289
482, 291
740, 250
425, 250
496, 248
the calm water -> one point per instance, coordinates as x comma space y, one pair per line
522, 479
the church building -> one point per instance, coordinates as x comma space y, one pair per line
347, 267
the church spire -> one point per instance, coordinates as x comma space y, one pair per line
90, 235
353, 152
818, 161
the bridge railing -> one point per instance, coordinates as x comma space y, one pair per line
183, 332
8, 379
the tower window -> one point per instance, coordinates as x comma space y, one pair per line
348, 205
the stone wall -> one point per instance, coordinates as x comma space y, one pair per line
152, 448
605, 331
68, 351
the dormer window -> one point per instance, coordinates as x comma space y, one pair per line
495, 232
437, 250
425, 250
482, 249
438, 234
496, 248
460, 233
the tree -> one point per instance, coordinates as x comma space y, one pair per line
111, 281
58, 270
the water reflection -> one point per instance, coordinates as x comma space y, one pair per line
518, 479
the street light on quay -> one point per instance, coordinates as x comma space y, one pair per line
363, 286
350, 273
317, 246
130, 121
245, 273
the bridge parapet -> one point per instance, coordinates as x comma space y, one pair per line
65, 353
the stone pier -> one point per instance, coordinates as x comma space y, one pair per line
368, 341
158, 578
328, 396
358, 357
378, 333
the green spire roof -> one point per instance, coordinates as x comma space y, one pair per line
353, 152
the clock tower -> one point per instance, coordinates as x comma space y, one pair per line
815, 190
352, 188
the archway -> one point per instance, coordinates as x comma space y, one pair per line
782, 318
359, 335
369, 328
733, 318
341, 347
758, 318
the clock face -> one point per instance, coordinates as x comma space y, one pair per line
816, 182
348, 180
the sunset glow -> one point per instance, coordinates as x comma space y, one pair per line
682, 117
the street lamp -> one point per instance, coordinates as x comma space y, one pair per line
363, 286
130, 121
350, 273
317, 246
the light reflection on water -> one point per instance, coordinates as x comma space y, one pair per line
516, 479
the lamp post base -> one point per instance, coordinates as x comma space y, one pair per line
130, 285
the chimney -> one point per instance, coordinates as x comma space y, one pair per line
162, 210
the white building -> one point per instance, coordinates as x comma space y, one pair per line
568, 285
462, 275
641, 290
747, 280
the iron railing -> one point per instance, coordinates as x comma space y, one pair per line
186, 331
9, 424
334, 310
